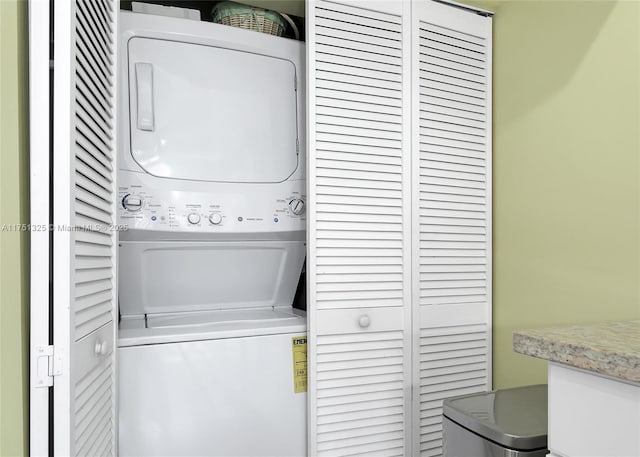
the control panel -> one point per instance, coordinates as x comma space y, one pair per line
211, 207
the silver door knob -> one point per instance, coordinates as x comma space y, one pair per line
364, 321
101, 348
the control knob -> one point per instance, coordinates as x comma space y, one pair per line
215, 218
132, 203
297, 206
193, 218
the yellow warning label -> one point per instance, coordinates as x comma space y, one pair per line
299, 364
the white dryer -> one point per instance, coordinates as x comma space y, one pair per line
211, 180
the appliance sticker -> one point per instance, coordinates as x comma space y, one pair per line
299, 349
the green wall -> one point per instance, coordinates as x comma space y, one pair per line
566, 170
14, 320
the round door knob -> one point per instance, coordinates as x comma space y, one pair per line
101, 348
296, 206
132, 202
215, 218
193, 218
364, 321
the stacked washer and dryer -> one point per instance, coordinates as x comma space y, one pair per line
211, 181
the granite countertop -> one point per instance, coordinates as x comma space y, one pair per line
611, 349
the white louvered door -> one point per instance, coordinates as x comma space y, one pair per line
84, 239
451, 119
359, 222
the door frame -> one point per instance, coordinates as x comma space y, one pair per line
40, 389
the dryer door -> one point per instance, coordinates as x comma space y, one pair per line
211, 114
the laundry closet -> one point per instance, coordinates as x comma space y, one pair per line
306, 264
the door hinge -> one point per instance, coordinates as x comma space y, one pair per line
48, 365
297, 146
295, 83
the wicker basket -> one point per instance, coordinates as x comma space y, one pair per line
248, 17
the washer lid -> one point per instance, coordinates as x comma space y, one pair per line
514, 418
211, 325
211, 319
164, 277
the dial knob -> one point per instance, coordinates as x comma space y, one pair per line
132, 202
215, 218
296, 206
193, 218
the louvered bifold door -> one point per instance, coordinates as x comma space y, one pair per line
84, 234
451, 84
359, 221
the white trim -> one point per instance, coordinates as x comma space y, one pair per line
312, 328
489, 198
407, 221
114, 206
39, 217
415, 235
62, 214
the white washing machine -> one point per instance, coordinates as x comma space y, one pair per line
211, 180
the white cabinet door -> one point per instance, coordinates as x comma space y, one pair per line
359, 222
451, 207
592, 415
84, 240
